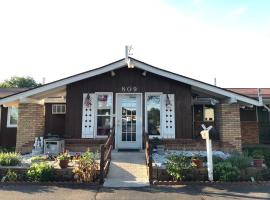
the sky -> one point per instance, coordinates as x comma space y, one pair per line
201, 39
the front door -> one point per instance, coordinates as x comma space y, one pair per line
129, 121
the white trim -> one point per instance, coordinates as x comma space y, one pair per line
61, 84
96, 108
8, 119
64, 82
146, 94
195, 83
116, 119
56, 105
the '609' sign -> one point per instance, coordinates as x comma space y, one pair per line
129, 89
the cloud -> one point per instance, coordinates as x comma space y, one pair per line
238, 11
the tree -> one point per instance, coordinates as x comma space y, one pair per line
19, 82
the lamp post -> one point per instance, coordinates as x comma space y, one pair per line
207, 136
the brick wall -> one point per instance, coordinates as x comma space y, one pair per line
228, 124
30, 125
250, 132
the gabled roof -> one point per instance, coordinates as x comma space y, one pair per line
9, 91
60, 85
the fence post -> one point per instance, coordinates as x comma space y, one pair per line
150, 165
101, 164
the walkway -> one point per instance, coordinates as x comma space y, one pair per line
127, 169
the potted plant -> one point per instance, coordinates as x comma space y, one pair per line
258, 158
197, 161
63, 160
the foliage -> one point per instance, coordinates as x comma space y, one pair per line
63, 156
265, 151
38, 159
10, 176
10, 159
258, 154
242, 162
40, 172
86, 168
217, 159
7, 149
225, 171
178, 166
19, 82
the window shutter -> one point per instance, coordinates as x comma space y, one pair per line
88, 115
168, 116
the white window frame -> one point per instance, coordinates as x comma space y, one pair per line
58, 105
146, 94
96, 115
8, 119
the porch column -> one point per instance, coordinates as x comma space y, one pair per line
229, 126
31, 122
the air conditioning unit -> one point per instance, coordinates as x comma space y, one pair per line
54, 146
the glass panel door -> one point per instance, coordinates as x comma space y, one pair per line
129, 127
128, 106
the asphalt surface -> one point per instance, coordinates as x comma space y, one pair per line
81, 192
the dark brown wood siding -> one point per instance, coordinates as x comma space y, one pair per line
133, 78
7, 135
54, 124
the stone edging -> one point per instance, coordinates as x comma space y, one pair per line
209, 183
53, 183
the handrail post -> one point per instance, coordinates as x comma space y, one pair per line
101, 175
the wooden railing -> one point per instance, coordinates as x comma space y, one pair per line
105, 156
148, 156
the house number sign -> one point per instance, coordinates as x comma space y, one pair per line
129, 89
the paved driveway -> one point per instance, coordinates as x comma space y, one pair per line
194, 192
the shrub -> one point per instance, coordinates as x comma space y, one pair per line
225, 171
10, 159
265, 151
86, 168
10, 176
63, 156
242, 162
40, 172
178, 166
258, 154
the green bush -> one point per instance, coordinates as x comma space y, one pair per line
10, 176
178, 166
10, 159
242, 162
87, 167
264, 150
225, 171
40, 172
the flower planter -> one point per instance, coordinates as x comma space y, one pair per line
198, 163
63, 163
258, 162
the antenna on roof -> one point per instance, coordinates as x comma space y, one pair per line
128, 49
215, 81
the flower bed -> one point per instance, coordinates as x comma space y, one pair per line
46, 168
177, 166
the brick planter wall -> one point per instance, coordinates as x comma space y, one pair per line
228, 124
250, 132
30, 125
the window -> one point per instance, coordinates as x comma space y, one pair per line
12, 118
153, 108
58, 109
208, 113
104, 113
